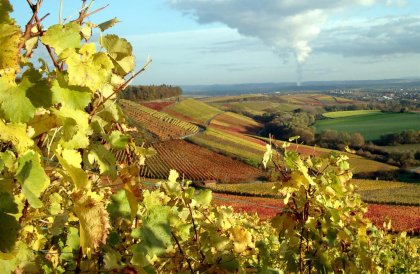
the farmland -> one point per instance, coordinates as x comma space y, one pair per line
372, 126
233, 122
239, 146
255, 107
160, 124
193, 111
157, 105
349, 113
195, 163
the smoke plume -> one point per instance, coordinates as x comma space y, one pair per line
288, 26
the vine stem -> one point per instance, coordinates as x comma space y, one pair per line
120, 88
182, 252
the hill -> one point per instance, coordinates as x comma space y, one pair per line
162, 125
193, 111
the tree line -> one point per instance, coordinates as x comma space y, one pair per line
148, 93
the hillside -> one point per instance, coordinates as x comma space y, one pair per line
162, 125
193, 111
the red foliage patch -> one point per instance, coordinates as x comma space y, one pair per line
403, 218
156, 105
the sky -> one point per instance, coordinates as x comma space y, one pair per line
196, 42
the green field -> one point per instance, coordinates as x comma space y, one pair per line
372, 126
349, 113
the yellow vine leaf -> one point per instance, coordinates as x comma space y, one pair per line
93, 220
16, 134
71, 161
10, 36
242, 239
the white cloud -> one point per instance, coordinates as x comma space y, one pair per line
372, 38
289, 26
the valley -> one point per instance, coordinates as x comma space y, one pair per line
216, 143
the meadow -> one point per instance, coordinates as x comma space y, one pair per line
372, 126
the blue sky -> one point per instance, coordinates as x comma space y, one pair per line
248, 41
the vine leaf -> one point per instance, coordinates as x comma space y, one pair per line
155, 235
108, 24
10, 36
118, 140
32, 177
121, 53
19, 102
73, 97
93, 220
105, 159
76, 128
119, 207
87, 68
16, 134
9, 225
71, 161
61, 37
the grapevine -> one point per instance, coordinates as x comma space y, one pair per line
67, 204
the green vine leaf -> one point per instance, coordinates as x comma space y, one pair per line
19, 102
155, 235
61, 37
87, 68
105, 159
73, 97
118, 140
108, 24
120, 52
75, 129
32, 177
9, 225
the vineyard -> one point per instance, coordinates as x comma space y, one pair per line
403, 218
159, 106
195, 163
67, 205
160, 124
193, 111
233, 122
247, 149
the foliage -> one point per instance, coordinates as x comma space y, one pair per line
148, 93
67, 205
322, 226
